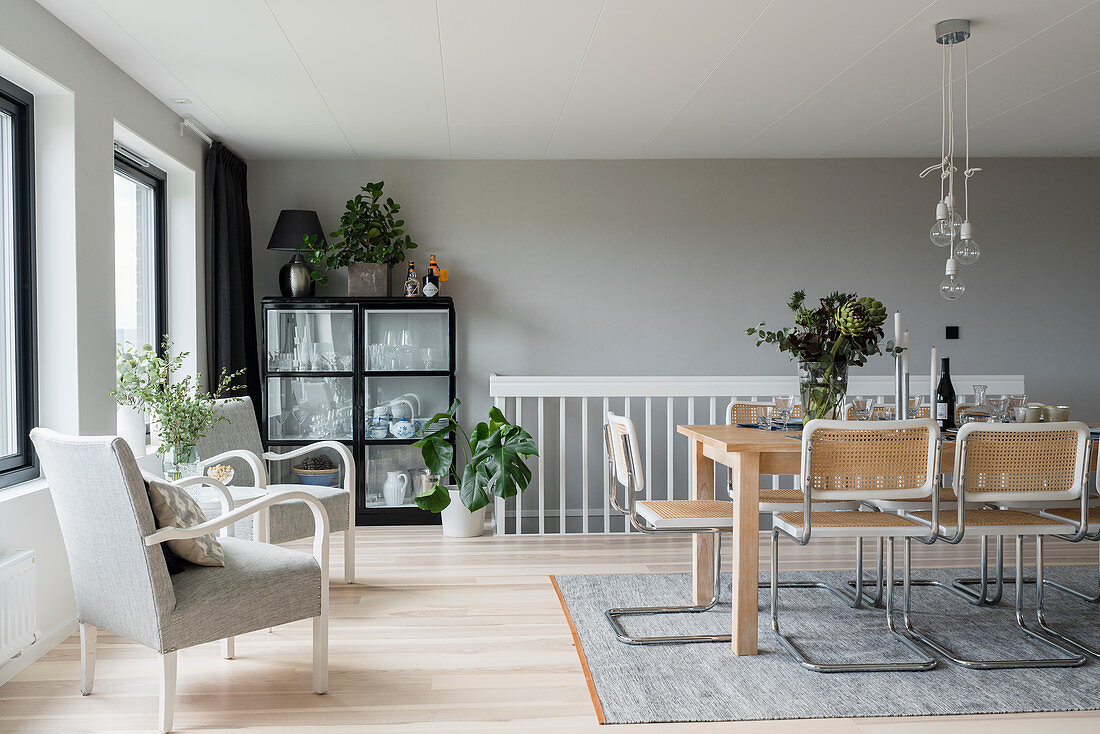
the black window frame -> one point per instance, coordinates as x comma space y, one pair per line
19, 104
146, 173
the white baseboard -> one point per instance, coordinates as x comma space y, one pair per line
41, 646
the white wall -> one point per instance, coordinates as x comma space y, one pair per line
80, 98
657, 267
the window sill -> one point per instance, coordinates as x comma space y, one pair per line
23, 489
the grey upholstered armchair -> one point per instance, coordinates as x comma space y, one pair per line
236, 442
122, 583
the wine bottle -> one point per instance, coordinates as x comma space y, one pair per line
431, 278
412, 285
945, 397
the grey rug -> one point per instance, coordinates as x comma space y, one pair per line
706, 682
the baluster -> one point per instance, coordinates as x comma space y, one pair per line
562, 513
519, 495
648, 448
607, 478
714, 421
671, 419
626, 413
542, 466
584, 465
498, 504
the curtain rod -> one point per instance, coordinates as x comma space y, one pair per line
190, 125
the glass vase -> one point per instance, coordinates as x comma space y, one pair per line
823, 386
179, 462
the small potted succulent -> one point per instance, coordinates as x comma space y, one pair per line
493, 466
318, 470
368, 242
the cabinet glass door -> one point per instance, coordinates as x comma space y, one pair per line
413, 340
394, 475
314, 408
310, 340
399, 407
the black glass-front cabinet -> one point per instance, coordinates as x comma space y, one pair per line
368, 372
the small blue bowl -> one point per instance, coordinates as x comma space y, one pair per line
317, 480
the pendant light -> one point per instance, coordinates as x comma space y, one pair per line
951, 228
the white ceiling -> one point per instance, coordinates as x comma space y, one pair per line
606, 78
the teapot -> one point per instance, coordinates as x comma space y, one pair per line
402, 428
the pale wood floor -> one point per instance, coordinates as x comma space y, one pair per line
438, 636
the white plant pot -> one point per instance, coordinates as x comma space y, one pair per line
458, 522
130, 425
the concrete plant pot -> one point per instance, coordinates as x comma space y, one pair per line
458, 522
368, 279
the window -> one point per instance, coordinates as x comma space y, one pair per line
18, 396
141, 285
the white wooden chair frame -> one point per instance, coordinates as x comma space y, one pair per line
224, 523
259, 472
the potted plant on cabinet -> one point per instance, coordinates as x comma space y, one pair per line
181, 409
494, 466
368, 242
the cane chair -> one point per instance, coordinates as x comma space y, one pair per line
236, 441
691, 517
880, 412
856, 462
998, 465
121, 581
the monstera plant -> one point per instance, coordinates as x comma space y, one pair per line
493, 457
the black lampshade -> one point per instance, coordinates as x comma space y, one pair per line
293, 225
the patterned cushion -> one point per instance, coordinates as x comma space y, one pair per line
174, 507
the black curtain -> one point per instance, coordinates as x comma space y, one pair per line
231, 342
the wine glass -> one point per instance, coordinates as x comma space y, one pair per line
863, 407
915, 401
784, 405
997, 406
1016, 403
428, 355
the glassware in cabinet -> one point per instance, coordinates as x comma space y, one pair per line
310, 408
310, 340
407, 340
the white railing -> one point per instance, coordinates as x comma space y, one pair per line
565, 415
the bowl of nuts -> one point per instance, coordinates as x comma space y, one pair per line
221, 472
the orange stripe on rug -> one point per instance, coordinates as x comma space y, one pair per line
580, 654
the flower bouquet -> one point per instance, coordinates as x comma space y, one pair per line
842, 331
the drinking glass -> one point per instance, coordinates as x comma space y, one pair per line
997, 405
784, 405
407, 338
1015, 402
764, 417
915, 401
863, 407
428, 355
979, 395
887, 412
377, 354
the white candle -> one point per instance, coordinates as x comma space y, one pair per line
905, 354
932, 381
897, 327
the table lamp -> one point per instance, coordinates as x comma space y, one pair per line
292, 226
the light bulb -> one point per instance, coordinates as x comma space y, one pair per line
942, 233
967, 252
952, 286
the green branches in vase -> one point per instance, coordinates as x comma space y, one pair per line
841, 331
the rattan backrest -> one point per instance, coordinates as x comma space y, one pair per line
737, 412
624, 451
845, 460
1022, 461
880, 410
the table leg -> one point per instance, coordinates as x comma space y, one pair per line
746, 550
702, 551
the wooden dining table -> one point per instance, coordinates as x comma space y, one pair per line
748, 452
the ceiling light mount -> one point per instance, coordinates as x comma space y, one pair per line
950, 32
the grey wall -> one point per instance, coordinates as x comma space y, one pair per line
656, 267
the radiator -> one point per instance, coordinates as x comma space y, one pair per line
18, 617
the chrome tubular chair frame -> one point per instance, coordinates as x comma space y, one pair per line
885, 587
958, 588
613, 615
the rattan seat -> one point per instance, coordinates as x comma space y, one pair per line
948, 498
790, 500
1073, 515
687, 513
850, 523
998, 522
